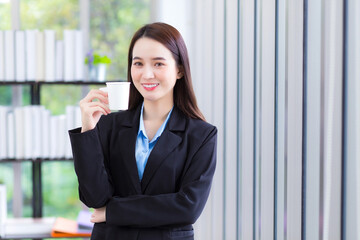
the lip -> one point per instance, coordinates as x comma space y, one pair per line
150, 86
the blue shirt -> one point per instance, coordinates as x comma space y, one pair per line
143, 146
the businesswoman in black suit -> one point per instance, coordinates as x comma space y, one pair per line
146, 171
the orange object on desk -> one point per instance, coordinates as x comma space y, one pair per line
68, 228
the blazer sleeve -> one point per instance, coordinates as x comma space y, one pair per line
180, 208
95, 187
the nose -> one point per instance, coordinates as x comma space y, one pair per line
148, 72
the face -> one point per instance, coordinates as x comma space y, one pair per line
154, 71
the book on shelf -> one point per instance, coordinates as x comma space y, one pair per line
73, 120
70, 120
53, 136
34, 55
40, 56
45, 133
20, 55
49, 37
31, 54
58, 141
69, 55
2, 56
19, 132
28, 134
59, 63
37, 125
31, 132
9, 45
77, 117
79, 56
3, 140
10, 135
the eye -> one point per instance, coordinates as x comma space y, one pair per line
137, 64
159, 64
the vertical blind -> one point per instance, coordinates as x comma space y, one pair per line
281, 81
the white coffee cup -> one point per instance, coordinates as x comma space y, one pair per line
118, 94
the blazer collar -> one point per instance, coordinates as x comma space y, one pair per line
167, 142
127, 133
131, 118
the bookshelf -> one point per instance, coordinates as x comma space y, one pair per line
36, 163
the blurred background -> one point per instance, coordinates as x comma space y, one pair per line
279, 78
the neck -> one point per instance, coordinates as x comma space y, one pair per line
156, 111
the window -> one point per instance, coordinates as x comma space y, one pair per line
5, 23
112, 24
55, 14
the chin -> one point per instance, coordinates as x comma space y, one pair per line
150, 98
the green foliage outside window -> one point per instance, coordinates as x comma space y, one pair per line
5, 95
5, 22
112, 25
55, 14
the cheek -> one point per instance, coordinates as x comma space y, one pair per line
172, 78
134, 74
136, 77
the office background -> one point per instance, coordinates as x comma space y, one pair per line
281, 81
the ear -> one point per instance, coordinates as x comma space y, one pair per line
180, 73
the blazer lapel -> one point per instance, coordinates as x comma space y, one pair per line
167, 142
127, 139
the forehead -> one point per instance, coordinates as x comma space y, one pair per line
148, 48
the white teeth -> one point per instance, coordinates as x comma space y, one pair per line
151, 85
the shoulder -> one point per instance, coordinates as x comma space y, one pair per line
200, 129
198, 135
199, 125
195, 129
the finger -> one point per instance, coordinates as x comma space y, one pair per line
95, 109
99, 104
98, 91
86, 106
96, 94
94, 97
101, 98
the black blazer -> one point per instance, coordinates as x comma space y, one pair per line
175, 185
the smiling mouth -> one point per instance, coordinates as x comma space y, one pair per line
150, 86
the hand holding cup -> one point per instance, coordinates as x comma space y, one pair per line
91, 110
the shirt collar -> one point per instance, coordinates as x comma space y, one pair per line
159, 131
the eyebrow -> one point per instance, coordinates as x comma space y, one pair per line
155, 58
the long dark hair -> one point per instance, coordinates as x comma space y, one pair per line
184, 96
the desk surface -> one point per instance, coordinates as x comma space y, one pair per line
35, 237
32, 236
25, 228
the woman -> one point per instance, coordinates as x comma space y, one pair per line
146, 171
